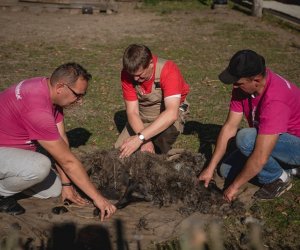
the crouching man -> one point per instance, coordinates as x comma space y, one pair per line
32, 113
155, 98
268, 152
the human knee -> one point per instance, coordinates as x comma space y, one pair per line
40, 168
245, 140
224, 170
56, 194
53, 193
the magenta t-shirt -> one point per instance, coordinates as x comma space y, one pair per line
27, 114
275, 111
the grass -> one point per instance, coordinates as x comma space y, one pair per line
167, 7
200, 42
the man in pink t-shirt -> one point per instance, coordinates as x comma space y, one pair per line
155, 93
32, 113
268, 152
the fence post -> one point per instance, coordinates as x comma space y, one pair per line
257, 8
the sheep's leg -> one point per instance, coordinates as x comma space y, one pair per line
127, 197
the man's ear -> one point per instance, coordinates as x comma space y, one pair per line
151, 63
59, 87
258, 78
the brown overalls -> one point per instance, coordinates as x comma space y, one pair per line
150, 107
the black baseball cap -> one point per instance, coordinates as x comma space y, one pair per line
244, 63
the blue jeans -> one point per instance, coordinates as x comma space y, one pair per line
285, 155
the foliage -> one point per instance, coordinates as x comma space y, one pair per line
167, 7
206, 2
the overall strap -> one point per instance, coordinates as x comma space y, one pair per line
159, 65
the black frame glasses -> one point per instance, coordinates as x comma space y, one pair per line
78, 96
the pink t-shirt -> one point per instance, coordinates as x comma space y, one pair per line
171, 82
27, 114
275, 111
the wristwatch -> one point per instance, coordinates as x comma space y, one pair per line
141, 137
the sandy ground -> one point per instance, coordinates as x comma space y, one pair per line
143, 224
141, 221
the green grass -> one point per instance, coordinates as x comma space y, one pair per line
167, 7
282, 217
201, 43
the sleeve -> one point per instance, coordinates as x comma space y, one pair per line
274, 118
129, 93
41, 125
236, 104
59, 115
172, 82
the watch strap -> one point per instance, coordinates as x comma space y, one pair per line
141, 137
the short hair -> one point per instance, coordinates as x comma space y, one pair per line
135, 57
69, 72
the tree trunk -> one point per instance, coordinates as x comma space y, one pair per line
257, 8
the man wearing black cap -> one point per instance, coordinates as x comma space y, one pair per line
267, 153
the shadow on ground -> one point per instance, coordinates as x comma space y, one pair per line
207, 135
120, 119
92, 237
78, 137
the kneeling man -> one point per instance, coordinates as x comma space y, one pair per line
267, 152
155, 98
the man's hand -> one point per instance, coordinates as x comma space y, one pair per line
230, 193
206, 176
148, 147
129, 146
70, 193
107, 209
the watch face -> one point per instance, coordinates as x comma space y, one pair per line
142, 138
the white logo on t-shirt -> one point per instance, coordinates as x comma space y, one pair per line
17, 91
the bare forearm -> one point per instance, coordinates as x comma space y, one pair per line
264, 145
135, 122
64, 178
76, 172
71, 167
163, 121
225, 135
252, 167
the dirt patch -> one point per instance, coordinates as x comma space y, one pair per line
76, 28
163, 202
166, 207
201, 42
130, 20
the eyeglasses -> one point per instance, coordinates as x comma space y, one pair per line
78, 96
141, 75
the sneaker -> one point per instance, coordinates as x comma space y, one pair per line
11, 206
295, 172
273, 189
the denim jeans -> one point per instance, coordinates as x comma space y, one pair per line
285, 155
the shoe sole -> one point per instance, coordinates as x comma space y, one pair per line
12, 213
282, 192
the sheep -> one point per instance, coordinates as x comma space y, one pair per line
154, 178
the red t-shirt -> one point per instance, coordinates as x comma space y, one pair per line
27, 114
275, 111
171, 82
